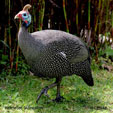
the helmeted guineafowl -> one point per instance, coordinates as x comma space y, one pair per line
53, 54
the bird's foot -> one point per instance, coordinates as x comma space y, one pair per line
44, 91
59, 99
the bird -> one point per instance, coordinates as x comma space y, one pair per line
53, 54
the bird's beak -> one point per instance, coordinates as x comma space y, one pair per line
16, 16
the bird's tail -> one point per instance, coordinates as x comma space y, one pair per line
88, 80
83, 70
87, 75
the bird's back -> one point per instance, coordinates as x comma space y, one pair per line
55, 41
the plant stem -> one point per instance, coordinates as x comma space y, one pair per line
17, 57
77, 16
112, 24
65, 16
9, 32
41, 13
89, 14
5, 39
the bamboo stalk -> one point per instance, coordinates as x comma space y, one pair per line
107, 11
43, 10
112, 24
100, 9
101, 6
17, 51
96, 31
89, 14
17, 57
106, 16
77, 16
5, 40
65, 16
34, 20
41, 13
9, 34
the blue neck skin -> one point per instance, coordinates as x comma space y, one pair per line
25, 25
28, 19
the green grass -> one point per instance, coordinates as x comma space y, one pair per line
18, 94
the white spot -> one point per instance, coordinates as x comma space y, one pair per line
63, 54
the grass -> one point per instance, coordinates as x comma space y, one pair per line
18, 94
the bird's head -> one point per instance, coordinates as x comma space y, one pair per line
24, 15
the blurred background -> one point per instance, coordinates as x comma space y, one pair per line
91, 20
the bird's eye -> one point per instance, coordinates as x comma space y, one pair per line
24, 14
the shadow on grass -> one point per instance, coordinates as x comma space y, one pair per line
91, 103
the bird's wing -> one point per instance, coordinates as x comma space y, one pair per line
81, 54
76, 51
65, 44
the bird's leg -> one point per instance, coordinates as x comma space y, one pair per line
58, 96
45, 90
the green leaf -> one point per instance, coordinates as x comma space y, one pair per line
109, 51
4, 43
3, 62
4, 57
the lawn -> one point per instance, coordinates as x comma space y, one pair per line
18, 94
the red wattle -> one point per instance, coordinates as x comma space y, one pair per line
26, 21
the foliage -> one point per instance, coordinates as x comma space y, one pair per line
23, 68
108, 51
4, 60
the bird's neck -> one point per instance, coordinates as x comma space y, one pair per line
23, 30
26, 25
24, 40
23, 34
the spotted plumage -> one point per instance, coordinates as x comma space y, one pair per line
53, 54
